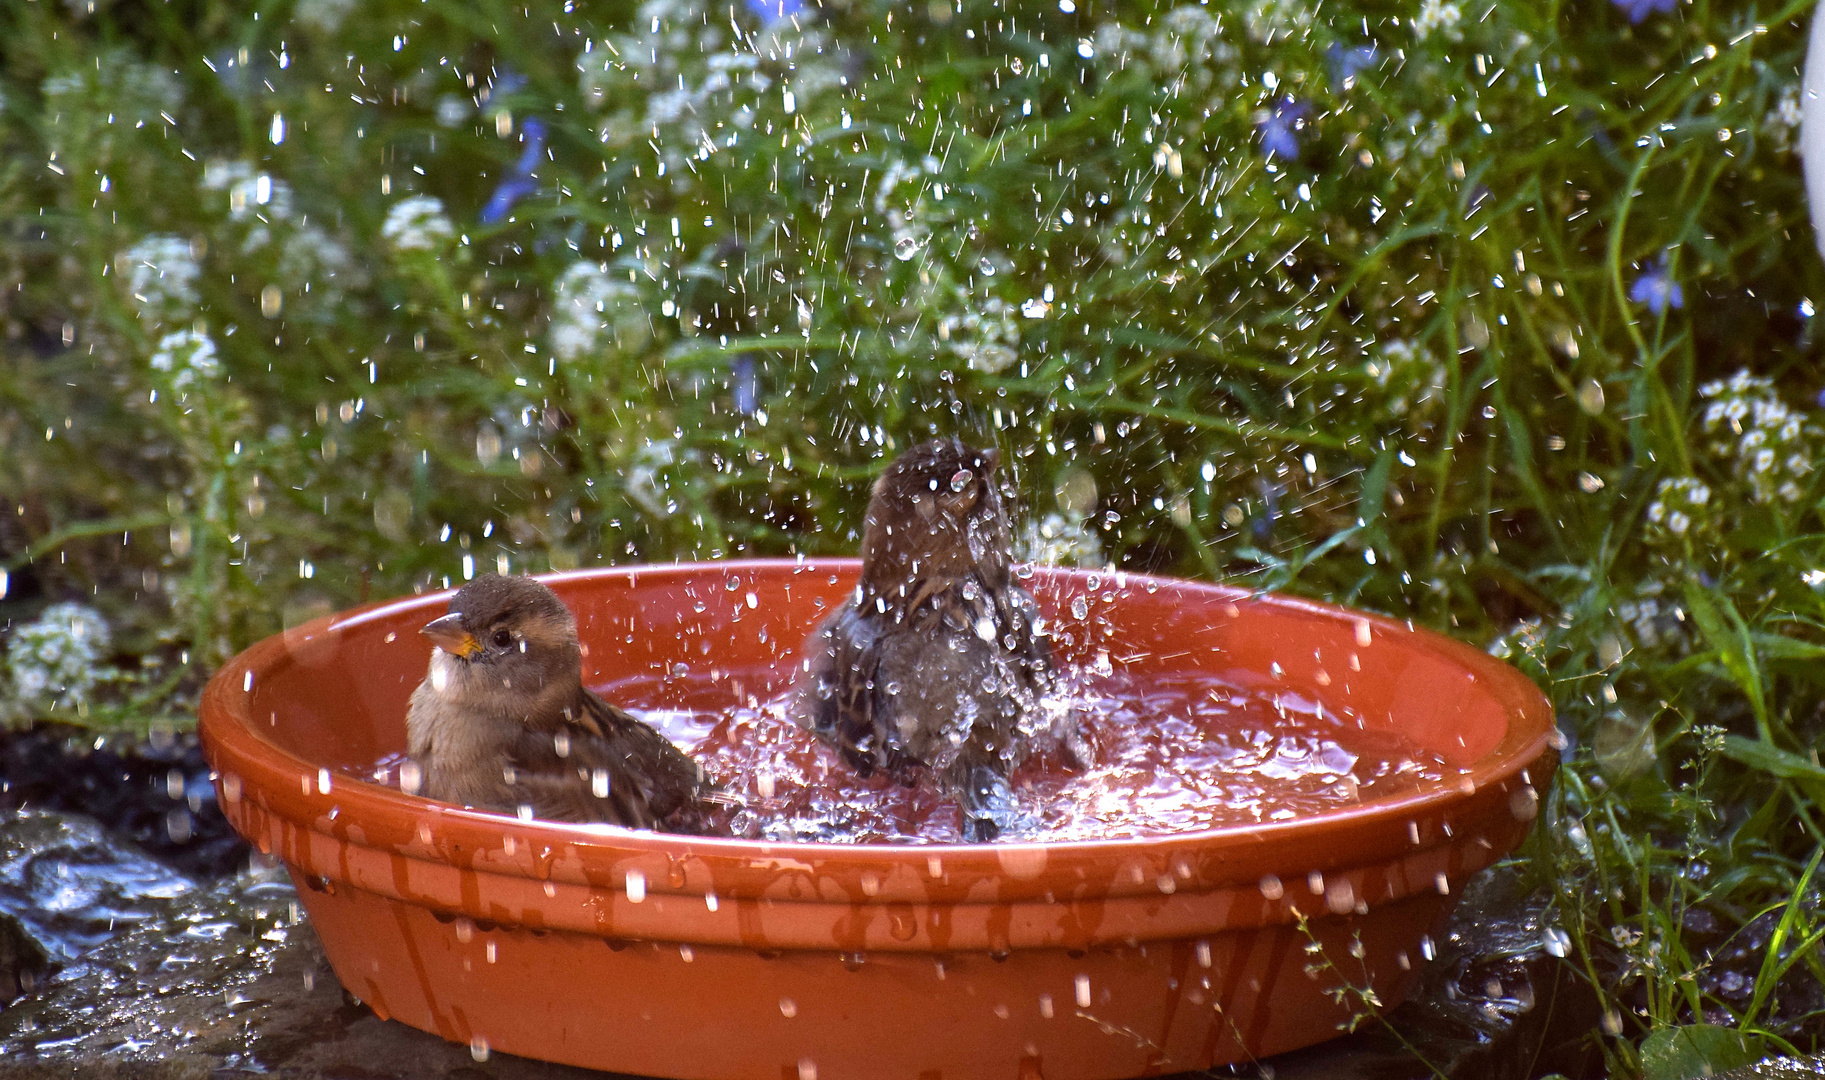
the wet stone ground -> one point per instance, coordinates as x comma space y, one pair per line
149, 947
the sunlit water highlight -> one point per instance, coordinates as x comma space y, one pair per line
1174, 753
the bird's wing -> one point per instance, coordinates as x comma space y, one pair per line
614, 769
847, 708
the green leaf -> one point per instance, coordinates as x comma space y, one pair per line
1374, 488
1780, 647
1726, 633
1772, 759
1697, 1050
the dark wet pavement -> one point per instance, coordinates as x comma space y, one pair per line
159, 974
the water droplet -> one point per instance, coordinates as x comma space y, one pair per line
478, 1047
411, 777
1080, 607
1590, 397
985, 267
905, 248
1083, 991
272, 299
1272, 888
636, 886
1045, 1006
1524, 803
788, 1008
807, 1069
598, 783
323, 781
1556, 941
686, 954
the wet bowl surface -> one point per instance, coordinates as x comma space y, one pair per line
711, 958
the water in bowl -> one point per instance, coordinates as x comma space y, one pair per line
1175, 753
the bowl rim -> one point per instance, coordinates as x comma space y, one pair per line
235, 744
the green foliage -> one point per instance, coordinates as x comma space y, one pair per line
280, 335
1696, 1050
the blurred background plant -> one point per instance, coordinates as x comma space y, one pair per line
1473, 317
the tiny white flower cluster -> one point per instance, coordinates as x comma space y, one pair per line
986, 338
1784, 119
645, 482
1678, 502
133, 91
1410, 373
1059, 540
1765, 442
418, 223
161, 277
1653, 617
186, 358
323, 16
1437, 15
261, 202
587, 303
251, 193
56, 659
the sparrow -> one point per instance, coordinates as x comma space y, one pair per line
938, 665
504, 722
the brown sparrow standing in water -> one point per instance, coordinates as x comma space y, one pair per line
937, 665
504, 722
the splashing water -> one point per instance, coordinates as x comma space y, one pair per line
1174, 754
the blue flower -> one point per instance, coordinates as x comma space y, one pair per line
1280, 131
520, 181
768, 10
1657, 289
1640, 9
1347, 63
744, 384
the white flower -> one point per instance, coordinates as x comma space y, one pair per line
56, 660
187, 357
1434, 15
453, 109
1766, 444
418, 224
161, 276
1058, 540
587, 302
250, 192
324, 16
313, 258
986, 338
645, 483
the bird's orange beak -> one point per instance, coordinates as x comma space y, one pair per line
448, 634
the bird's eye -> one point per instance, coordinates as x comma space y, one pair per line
502, 639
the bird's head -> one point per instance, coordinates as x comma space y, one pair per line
936, 511
507, 642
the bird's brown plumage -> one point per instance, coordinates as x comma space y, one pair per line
504, 722
937, 665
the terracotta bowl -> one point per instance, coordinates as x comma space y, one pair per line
682, 957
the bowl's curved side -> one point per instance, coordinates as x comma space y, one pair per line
708, 1011
596, 946
332, 826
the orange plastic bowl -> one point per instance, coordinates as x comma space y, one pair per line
684, 957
